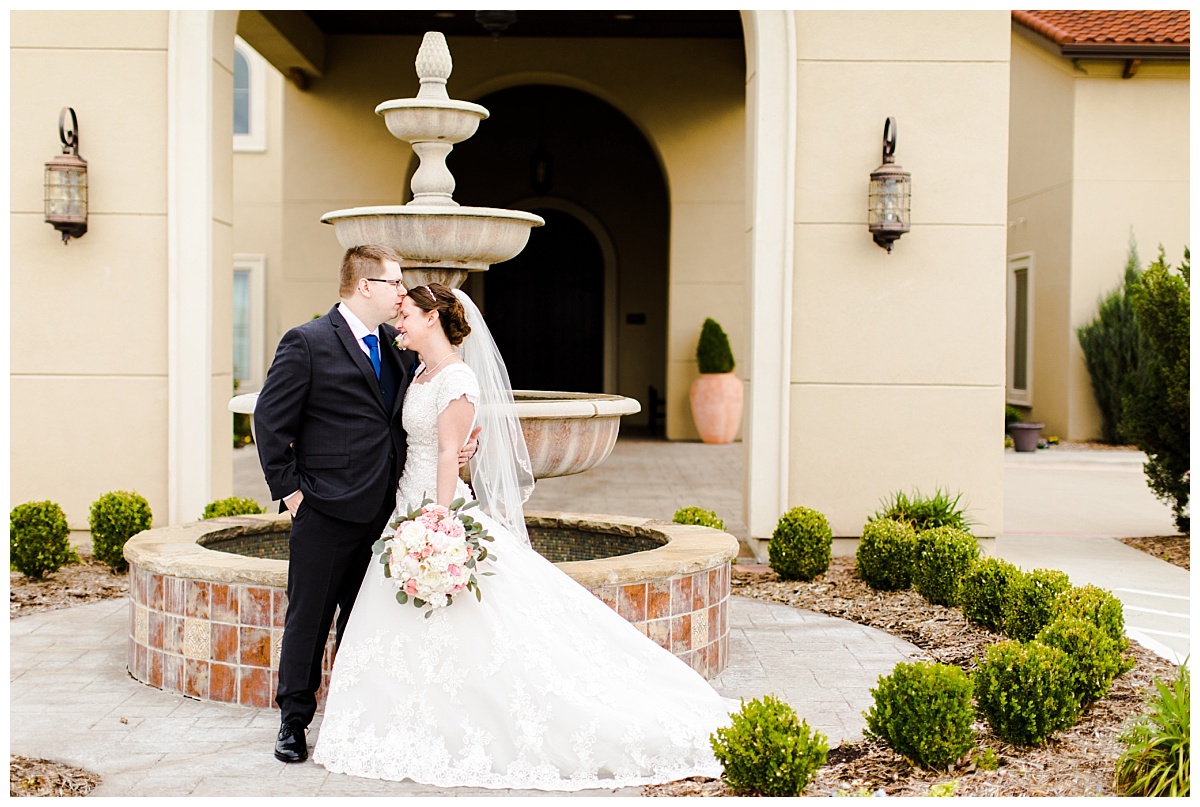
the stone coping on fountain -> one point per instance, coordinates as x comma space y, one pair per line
208, 624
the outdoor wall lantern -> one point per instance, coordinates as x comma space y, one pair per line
66, 182
890, 194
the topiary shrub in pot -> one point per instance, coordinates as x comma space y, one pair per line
38, 539
944, 554
886, 554
767, 750
231, 506
115, 518
923, 712
698, 516
984, 587
1094, 656
1029, 602
801, 545
716, 396
1026, 691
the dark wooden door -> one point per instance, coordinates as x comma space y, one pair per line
545, 308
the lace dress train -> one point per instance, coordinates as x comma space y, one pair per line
539, 686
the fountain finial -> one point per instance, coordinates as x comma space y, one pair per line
434, 65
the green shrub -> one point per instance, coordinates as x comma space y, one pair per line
984, 588
1012, 415
1110, 350
1096, 605
695, 515
1029, 602
232, 506
1094, 656
925, 512
713, 353
923, 712
1025, 691
115, 518
801, 545
767, 750
38, 539
886, 554
1157, 757
944, 554
1158, 406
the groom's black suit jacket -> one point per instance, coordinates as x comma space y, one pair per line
324, 425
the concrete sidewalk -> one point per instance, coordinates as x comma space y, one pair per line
71, 699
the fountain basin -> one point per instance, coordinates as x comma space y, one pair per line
451, 237
208, 598
566, 432
431, 119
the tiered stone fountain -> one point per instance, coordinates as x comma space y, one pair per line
208, 598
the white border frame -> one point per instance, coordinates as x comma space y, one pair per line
256, 139
1022, 260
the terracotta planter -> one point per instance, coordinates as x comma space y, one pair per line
717, 406
1025, 435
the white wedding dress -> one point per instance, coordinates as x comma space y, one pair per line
539, 686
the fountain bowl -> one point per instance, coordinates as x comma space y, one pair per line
415, 120
438, 236
566, 432
207, 599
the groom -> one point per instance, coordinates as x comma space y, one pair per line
331, 444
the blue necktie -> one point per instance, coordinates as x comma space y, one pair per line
373, 346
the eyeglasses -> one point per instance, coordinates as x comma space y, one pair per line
398, 285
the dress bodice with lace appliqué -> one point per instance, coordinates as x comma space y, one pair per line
423, 403
539, 685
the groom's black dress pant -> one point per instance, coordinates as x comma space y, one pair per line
327, 560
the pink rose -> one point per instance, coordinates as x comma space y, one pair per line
436, 510
410, 587
455, 571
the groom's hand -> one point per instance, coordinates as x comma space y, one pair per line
469, 448
292, 503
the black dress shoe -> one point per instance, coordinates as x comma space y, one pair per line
290, 746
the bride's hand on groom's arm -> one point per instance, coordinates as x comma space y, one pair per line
470, 447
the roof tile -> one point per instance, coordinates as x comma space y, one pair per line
1139, 27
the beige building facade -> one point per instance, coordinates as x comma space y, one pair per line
1099, 154
720, 174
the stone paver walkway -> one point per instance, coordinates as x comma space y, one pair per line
72, 701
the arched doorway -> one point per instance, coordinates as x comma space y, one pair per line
584, 307
546, 309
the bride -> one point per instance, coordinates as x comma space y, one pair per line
539, 685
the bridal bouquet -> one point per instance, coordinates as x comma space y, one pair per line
434, 554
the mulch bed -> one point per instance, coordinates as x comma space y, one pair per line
76, 584
41, 777
1075, 762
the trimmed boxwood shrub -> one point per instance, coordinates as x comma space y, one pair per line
1025, 691
232, 506
923, 712
801, 544
1097, 605
38, 539
767, 750
702, 518
984, 588
886, 554
115, 518
1094, 656
1029, 602
944, 555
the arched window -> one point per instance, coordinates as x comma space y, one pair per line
249, 98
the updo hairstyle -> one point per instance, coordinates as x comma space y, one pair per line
439, 298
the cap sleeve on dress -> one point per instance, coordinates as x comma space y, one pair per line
454, 382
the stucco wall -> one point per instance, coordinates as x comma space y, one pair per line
1095, 159
898, 359
89, 329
